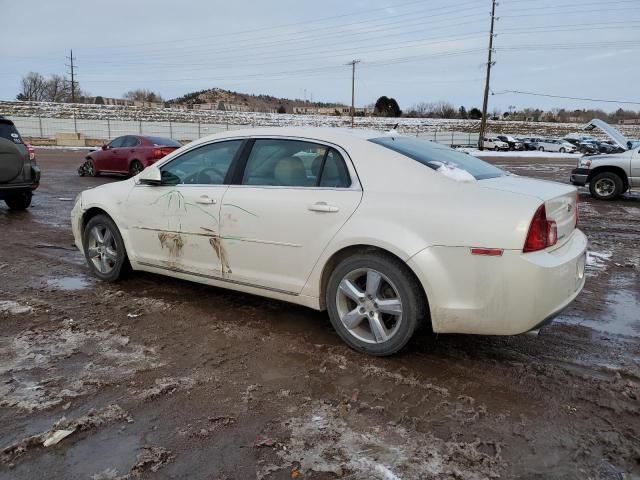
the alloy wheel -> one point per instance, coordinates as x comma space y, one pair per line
605, 187
102, 249
369, 305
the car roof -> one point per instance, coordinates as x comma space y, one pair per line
5, 120
327, 134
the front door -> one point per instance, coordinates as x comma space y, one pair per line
293, 198
175, 225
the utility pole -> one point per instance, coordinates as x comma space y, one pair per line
483, 121
353, 88
72, 72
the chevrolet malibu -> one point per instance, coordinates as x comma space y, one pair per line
387, 233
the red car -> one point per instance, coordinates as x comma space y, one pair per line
129, 154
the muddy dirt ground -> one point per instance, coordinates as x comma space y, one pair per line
158, 378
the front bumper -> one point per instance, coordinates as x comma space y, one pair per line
76, 222
579, 176
506, 295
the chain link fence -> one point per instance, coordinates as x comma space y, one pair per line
46, 129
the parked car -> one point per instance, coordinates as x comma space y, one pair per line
19, 173
609, 176
553, 145
583, 145
513, 143
492, 143
129, 154
527, 143
385, 232
608, 147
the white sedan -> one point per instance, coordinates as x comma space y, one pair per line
385, 232
552, 145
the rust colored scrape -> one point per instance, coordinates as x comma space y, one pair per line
172, 242
218, 247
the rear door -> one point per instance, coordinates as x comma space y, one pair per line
291, 199
128, 151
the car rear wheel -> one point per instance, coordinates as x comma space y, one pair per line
135, 168
22, 201
374, 303
541, 149
606, 186
104, 249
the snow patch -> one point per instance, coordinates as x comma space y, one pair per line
14, 308
455, 173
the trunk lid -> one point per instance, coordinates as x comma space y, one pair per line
560, 200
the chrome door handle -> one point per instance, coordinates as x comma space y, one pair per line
323, 207
206, 200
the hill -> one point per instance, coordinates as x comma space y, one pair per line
220, 99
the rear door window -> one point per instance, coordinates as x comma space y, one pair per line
10, 132
130, 141
295, 163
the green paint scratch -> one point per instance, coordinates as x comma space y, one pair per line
240, 208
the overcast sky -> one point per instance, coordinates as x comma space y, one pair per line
415, 51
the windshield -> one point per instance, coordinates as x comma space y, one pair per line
434, 155
163, 142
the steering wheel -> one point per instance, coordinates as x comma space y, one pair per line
203, 178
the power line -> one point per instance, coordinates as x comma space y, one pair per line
520, 92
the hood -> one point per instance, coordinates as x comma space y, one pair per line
611, 132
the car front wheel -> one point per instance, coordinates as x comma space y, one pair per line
563, 150
606, 186
374, 303
104, 249
541, 149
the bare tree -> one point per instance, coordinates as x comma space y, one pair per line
58, 89
143, 95
33, 88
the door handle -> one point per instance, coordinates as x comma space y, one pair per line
323, 207
206, 200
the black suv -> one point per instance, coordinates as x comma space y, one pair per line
19, 174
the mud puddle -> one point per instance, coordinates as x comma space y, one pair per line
69, 283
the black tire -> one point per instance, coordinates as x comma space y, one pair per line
22, 201
91, 169
563, 150
541, 149
606, 186
135, 168
118, 264
401, 283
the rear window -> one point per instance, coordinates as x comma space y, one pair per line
434, 155
9, 132
163, 142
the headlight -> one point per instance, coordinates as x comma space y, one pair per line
584, 163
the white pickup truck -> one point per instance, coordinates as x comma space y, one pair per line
609, 176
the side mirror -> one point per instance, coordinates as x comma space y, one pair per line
104, 147
150, 176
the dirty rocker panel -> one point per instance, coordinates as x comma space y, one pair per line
217, 278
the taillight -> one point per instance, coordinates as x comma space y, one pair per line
543, 233
31, 150
158, 153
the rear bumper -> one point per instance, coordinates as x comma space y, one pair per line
506, 295
9, 190
579, 176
